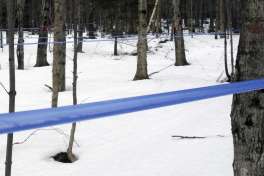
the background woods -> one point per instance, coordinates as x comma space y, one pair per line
117, 16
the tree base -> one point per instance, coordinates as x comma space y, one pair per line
42, 65
63, 157
182, 64
138, 78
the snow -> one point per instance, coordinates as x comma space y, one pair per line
136, 144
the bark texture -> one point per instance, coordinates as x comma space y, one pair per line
142, 70
178, 36
20, 46
43, 35
59, 53
248, 109
58, 69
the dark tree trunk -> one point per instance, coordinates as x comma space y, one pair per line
20, 46
91, 25
43, 35
1, 40
201, 17
115, 47
81, 26
222, 18
248, 109
211, 26
142, 67
217, 21
225, 57
12, 81
229, 7
178, 36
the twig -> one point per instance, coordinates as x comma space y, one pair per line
2, 85
59, 131
49, 87
189, 137
196, 137
152, 15
156, 72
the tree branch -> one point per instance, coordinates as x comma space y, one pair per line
196, 137
2, 85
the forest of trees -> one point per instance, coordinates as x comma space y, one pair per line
84, 18
104, 15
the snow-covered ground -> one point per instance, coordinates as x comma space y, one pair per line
137, 144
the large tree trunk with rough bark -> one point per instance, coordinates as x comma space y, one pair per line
178, 36
142, 70
43, 35
248, 109
58, 70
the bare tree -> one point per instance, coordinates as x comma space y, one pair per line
20, 46
178, 36
81, 25
76, 5
247, 117
152, 15
43, 34
12, 77
142, 70
58, 69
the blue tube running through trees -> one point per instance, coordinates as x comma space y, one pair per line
20, 121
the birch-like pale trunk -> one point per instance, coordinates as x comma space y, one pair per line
152, 15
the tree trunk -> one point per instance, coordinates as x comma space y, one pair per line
12, 81
58, 69
91, 29
217, 21
222, 18
248, 109
115, 47
70, 154
43, 35
152, 15
211, 26
225, 58
191, 18
178, 36
20, 46
142, 70
1, 40
201, 18
229, 7
81, 26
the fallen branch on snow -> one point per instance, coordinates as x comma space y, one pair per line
196, 137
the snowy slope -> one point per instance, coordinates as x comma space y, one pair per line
136, 144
